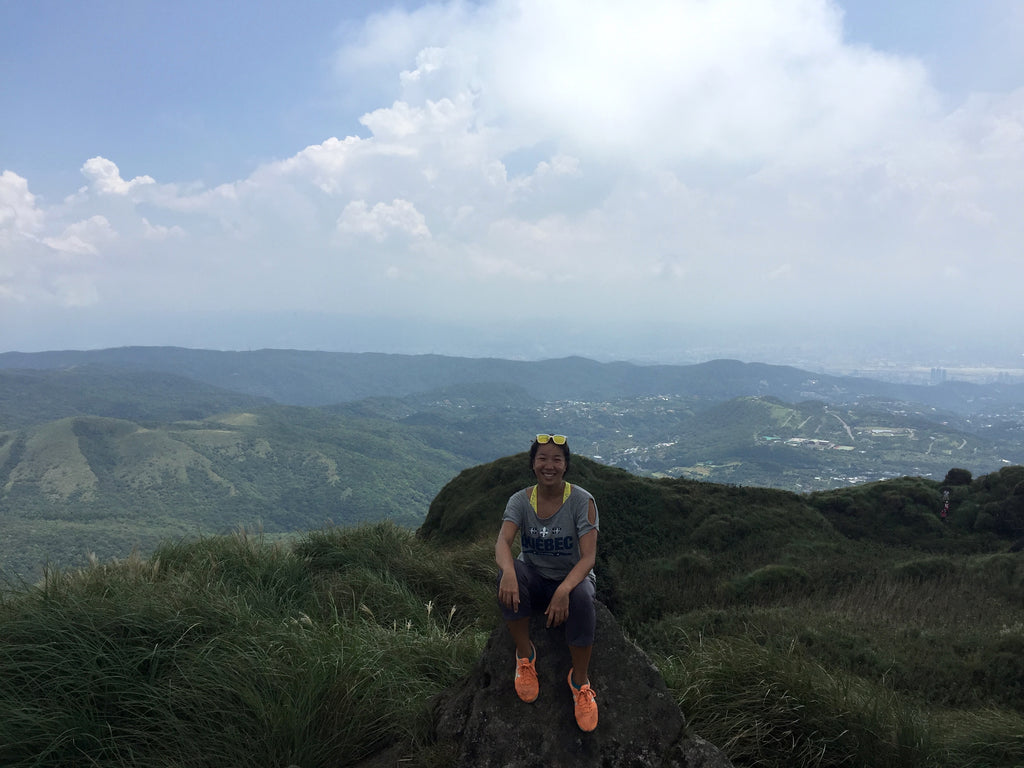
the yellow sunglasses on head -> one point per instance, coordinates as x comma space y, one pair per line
556, 439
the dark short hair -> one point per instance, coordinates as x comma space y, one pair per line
565, 452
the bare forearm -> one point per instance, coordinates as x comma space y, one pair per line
580, 571
503, 556
503, 546
577, 574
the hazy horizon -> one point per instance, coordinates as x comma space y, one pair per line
823, 352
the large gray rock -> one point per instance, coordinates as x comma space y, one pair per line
640, 725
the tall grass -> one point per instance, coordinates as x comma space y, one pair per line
773, 707
319, 652
225, 652
916, 665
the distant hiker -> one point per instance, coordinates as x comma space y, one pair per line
557, 526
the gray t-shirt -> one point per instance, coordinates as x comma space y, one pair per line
551, 545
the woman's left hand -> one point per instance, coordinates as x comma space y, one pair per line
558, 609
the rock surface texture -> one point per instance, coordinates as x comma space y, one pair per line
640, 724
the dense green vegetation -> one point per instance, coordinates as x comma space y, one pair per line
851, 627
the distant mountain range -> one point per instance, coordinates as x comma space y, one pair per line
109, 449
307, 378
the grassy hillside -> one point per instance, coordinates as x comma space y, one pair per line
658, 524
91, 484
233, 651
847, 627
789, 635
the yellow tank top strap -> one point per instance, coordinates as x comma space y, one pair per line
533, 495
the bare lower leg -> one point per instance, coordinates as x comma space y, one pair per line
520, 631
580, 663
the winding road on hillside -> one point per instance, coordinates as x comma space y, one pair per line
845, 426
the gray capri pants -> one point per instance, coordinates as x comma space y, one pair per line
535, 592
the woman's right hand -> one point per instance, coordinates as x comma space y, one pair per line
508, 590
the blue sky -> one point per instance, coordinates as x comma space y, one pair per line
649, 180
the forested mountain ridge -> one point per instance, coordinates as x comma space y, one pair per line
296, 377
34, 396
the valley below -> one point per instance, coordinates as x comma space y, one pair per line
109, 452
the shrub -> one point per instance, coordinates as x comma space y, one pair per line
769, 582
957, 476
1001, 573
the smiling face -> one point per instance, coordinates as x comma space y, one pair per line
549, 466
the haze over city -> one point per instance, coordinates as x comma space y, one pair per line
790, 181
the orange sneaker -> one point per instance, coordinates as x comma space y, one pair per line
585, 705
527, 685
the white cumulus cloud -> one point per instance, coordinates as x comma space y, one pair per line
382, 219
83, 237
105, 177
19, 214
160, 231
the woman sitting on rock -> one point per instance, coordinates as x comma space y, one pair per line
557, 526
